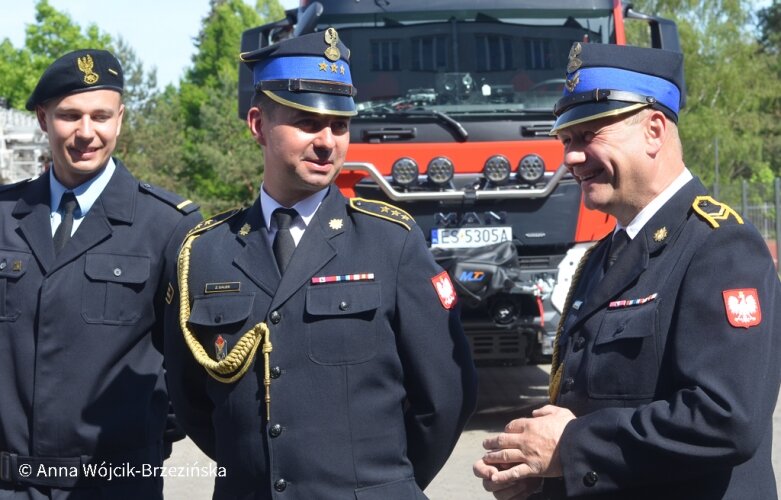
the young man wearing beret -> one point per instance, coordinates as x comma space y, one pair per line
668, 359
83, 252
317, 351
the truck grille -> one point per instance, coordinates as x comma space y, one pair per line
490, 345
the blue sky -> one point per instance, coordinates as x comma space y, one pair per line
160, 31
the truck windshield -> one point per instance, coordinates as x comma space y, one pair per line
466, 62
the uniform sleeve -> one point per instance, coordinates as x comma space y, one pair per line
721, 382
439, 375
185, 378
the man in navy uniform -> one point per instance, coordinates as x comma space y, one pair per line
82, 255
317, 350
666, 370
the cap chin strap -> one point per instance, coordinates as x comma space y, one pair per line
301, 85
598, 95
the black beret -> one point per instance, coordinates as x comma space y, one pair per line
607, 80
309, 72
78, 71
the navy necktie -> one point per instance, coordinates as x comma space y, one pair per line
283, 245
617, 245
68, 205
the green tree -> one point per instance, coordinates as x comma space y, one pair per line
223, 164
769, 21
53, 34
728, 88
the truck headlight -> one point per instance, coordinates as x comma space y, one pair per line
497, 169
531, 168
404, 172
440, 171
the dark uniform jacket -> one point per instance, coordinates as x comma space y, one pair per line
81, 369
371, 380
672, 400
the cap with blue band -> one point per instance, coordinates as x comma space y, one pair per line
309, 72
608, 80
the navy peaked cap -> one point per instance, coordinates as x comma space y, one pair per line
309, 72
608, 80
78, 71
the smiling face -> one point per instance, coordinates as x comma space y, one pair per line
82, 130
303, 151
610, 160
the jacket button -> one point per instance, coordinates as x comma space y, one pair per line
218, 318
579, 343
343, 306
275, 430
276, 372
280, 485
2, 265
275, 317
590, 479
568, 384
117, 272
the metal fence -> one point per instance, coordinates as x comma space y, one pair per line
758, 203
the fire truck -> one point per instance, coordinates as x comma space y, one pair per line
455, 101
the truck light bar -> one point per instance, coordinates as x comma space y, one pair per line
504, 194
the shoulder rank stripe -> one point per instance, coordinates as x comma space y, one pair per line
382, 210
345, 277
722, 211
215, 221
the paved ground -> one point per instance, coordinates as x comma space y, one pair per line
505, 393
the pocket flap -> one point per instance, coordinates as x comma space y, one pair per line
629, 323
117, 268
342, 298
215, 310
13, 264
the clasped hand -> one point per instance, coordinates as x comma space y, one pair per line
527, 451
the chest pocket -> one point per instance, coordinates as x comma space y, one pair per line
220, 315
341, 322
115, 288
624, 362
13, 266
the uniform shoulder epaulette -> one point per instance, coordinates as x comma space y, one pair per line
7, 187
715, 212
212, 222
383, 211
173, 199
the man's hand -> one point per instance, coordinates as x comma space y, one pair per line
528, 448
519, 489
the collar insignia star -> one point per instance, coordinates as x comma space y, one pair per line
335, 224
660, 234
244, 231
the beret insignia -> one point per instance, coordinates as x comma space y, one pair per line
86, 64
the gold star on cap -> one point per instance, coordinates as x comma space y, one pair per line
660, 234
244, 231
323, 66
335, 224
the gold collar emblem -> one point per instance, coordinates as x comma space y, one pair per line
335, 224
660, 234
244, 231
332, 38
85, 66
